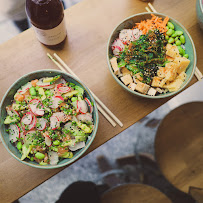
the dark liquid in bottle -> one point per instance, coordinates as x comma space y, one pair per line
47, 18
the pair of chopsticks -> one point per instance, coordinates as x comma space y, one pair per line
100, 105
198, 74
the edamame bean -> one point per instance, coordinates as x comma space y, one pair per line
56, 142
19, 145
31, 159
177, 38
32, 91
167, 27
171, 40
180, 49
39, 155
178, 33
167, 37
186, 56
170, 25
178, 42
174, 35
169, 32
182, 39
183, 52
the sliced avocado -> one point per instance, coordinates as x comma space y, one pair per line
68, 155
84, 127
16, 107
70, 94
25, 151
50, 79
68, 143
78, 133
80, 90
42, 93
80, 138
19, 107
10, 119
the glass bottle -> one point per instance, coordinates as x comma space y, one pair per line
47, 19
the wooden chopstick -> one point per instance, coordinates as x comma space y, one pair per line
98, 106
152, 8
198, 73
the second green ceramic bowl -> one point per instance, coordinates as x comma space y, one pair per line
130, 23
7, 100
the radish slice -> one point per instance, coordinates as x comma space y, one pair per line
60, 80
126, 36
82, 106
77, 146
49, 87
136, 33
89, 104
54, 122
27, 118
32, 124
25, 88
48, 140
62, 116
85, 117
14, 132
53, 157
40, 83
41, 124
63, 88
56, 101
36, 107
117, 47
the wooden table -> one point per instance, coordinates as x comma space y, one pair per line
179, 146
89, 25
132, 193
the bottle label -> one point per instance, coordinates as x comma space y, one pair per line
52, 36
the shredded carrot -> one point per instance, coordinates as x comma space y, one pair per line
151, 24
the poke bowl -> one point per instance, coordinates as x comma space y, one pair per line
48, 119
151, 55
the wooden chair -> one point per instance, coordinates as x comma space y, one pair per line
179, 148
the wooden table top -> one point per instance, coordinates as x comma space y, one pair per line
179, 146
132, 193
89, 25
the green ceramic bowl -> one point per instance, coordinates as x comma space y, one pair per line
199, 11
7, 100
189, 45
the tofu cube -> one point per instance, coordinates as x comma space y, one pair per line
141, 87
174, 85
169, 58
158, 82
125, 71
127, 79
182, 64
172, 51
151, 92
182, 76
159, 90
138, 76
114, 65
132, 86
